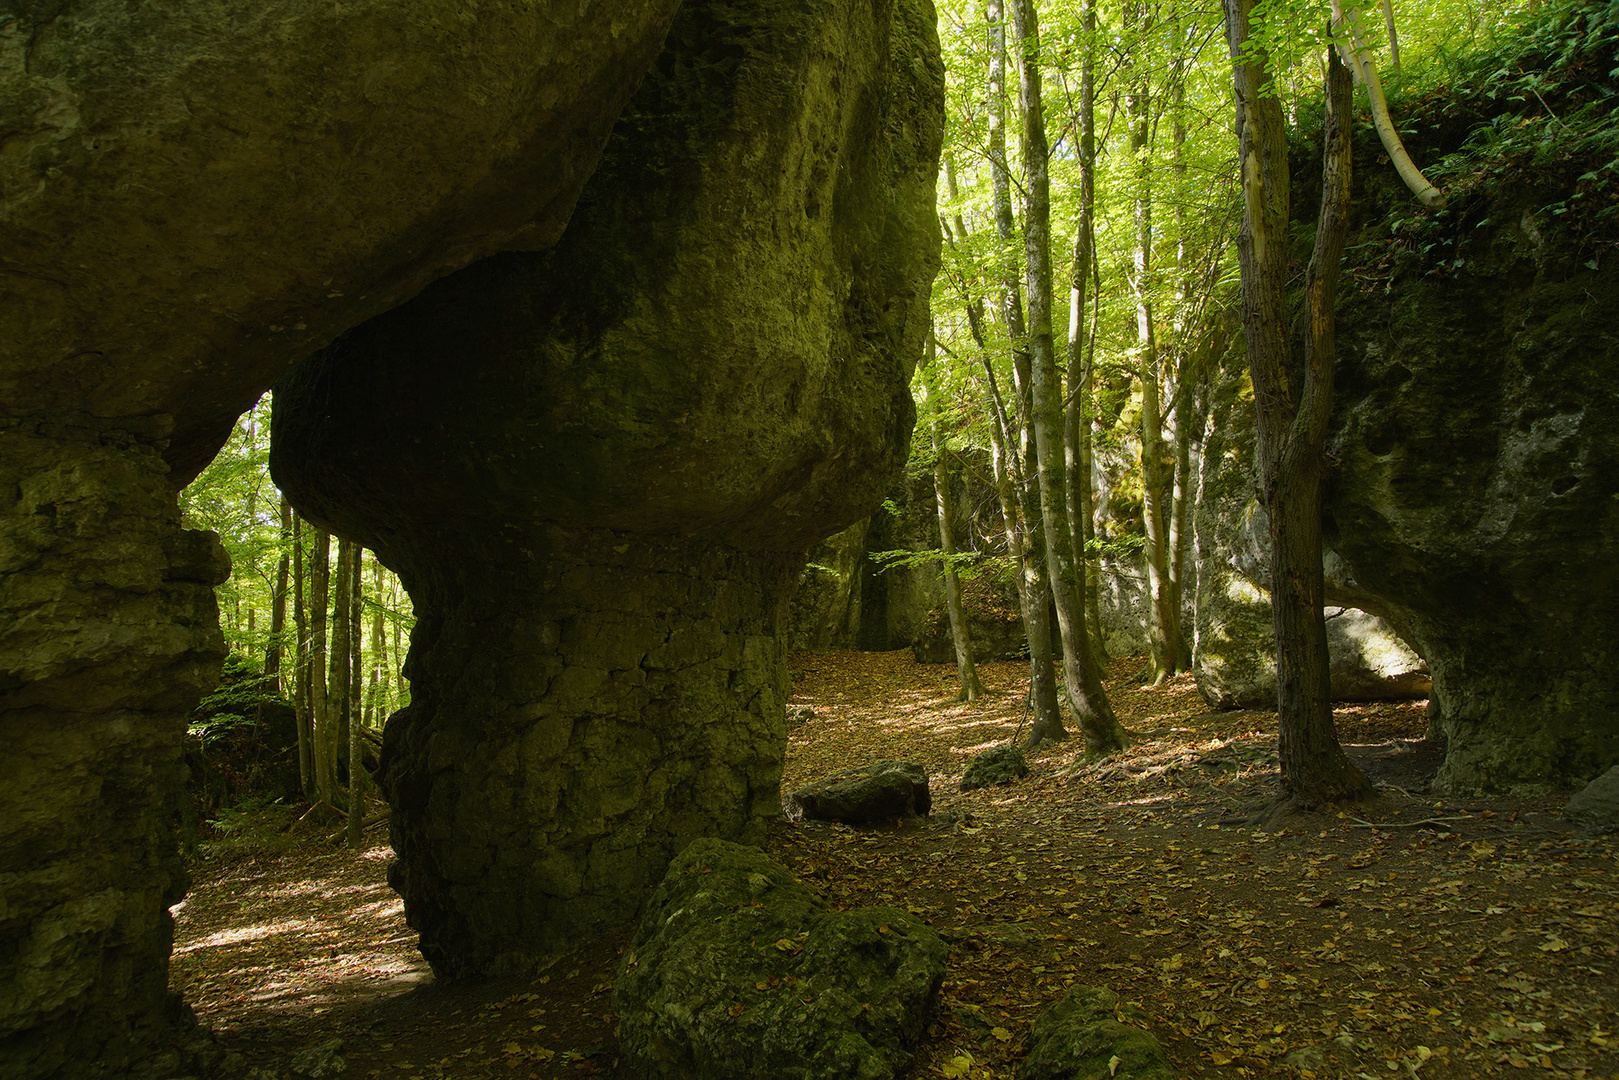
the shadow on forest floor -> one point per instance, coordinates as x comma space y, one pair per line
1423, 937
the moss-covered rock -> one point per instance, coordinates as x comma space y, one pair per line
1003, 765
1234, 642
881, 791
108, 635
195, 195
597, 468
739, 972
1091, 1035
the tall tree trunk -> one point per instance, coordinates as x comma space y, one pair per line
356, 634
1086, 699
356, 748
278, 603
379, 654
302, 712
401, 684
1292, 414
1155, 476
325, 751
337, 682
1034, 588
960, 636
1181, 413
1078, 382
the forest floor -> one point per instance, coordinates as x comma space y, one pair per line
1421, 936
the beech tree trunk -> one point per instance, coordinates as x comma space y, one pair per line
1024, 526
356, 747
1156, 465
960, 635
324, 750
278, 603
337, 681
1087, 701
1081, 346
379, 654
1291, 411
302, 713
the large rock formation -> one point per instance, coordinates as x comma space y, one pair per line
597, 469
191, 196
1234, 642
108, 636
194, 197
1478, 503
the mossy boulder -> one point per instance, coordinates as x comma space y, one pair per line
739, 972
881, 791
1003, 765
1091, 1035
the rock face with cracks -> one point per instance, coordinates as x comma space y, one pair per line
739, 972
1234, 644
194, 197
1477, 420
108, 635
597, 469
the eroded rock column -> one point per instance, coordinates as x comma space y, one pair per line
597, 469
108, 635
579, 712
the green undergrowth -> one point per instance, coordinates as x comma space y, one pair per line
1525, 132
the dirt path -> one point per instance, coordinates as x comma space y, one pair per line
1429, 937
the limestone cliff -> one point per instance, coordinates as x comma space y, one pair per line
597, 469
192, 197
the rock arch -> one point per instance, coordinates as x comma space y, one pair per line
185, 217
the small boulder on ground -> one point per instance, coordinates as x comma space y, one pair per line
1082, 1038
881, 791
738, 971
1595, 807
1001, 765
799, 715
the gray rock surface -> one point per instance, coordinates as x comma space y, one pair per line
993, 623
827, 604
195, 196
192, 197
882, 791
1596, 805
739, 972
1082, 1038
597, 469
1002, 765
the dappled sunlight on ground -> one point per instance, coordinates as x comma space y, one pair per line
1414, 937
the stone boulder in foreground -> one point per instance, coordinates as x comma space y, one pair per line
740, 972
